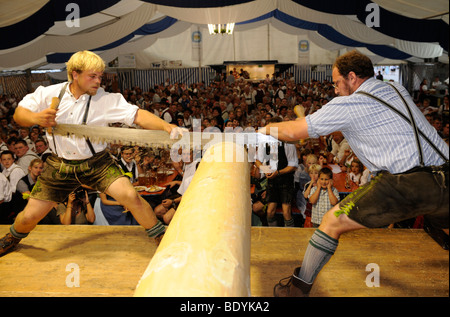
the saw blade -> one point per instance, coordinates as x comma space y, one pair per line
158, 138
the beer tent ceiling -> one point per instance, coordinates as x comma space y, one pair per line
35, 33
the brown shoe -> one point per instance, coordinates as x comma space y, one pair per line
158, 239
294, 287
8, 243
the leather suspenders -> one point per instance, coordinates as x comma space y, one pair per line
84, 123
411, 121
61, 94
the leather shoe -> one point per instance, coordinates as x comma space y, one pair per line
8, 244
158, 239
294, 287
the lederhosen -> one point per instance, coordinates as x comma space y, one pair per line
61, 177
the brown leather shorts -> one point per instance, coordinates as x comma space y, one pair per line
61, 177
390, 198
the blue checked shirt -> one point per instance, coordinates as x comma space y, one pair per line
380, 138
323, 204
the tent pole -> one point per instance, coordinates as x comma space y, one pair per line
268, 41
200, 56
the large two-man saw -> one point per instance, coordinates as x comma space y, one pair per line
158, 138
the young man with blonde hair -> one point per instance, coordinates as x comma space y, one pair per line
76, 161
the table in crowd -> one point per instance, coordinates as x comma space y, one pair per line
152, 182
342, 180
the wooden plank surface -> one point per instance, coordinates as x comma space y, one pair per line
111, 260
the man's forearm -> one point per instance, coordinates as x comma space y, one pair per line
24, 117
288, 130
149, 121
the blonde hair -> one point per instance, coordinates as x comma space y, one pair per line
35, 161
314, 168
311, 158
84, 60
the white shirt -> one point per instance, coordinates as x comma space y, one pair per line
381, 139
167, 116
339, 149
189, 171
105, 108
289, 150
25, 160
14, 173
5, 189
129, 166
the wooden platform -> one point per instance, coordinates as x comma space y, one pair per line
111, 260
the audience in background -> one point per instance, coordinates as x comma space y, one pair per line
229, 103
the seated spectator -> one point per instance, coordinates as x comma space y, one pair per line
26, 183
128, 164
76, 209
427, 108
5, 198
166, 210
42, 149
24, 154
13, 174
12, 171
356, 172
339, 145
115, 214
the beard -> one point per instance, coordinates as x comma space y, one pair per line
346, 91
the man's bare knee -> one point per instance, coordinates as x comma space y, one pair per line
334, 225
34, 211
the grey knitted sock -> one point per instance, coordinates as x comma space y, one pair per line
289, 223
16, 234
156, 230
320, 249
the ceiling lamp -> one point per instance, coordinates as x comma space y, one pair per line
221, 28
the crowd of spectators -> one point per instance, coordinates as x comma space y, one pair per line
227, 104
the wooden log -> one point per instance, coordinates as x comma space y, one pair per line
206, 249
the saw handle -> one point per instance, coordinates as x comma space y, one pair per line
53, 105
300, 113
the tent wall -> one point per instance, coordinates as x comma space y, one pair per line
308, 72
260, 43
18, 84
146, 79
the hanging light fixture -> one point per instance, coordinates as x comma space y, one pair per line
221, 28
